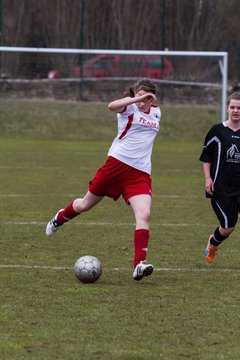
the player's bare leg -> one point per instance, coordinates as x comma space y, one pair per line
75, 208
141, 205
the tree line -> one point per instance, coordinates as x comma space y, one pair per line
196, 25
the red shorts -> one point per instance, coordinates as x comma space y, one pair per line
115, 178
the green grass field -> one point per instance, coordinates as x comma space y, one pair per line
186, 310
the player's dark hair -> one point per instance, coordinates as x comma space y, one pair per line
129, 92
233, 96
146, 85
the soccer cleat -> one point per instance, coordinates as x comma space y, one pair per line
53, 225
141, 270
210, 251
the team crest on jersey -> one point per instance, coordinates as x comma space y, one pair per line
233, 154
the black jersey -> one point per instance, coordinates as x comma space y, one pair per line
222, 150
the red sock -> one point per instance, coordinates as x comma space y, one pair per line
141, 238
67, 214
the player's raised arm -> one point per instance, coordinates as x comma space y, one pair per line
120, 104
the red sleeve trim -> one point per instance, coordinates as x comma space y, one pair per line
123, 110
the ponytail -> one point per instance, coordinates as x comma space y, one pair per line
129, 92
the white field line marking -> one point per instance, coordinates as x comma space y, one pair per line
42, 267
102, 224
13, 195
173, 196
87, 168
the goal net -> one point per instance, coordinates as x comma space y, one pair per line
100, 75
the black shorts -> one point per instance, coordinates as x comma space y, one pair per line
226, 209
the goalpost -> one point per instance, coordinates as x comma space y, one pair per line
77, 58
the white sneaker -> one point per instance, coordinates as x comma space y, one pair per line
141, 270
53, 225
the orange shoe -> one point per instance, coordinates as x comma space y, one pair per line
210, 251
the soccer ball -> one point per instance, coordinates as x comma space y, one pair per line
88, 269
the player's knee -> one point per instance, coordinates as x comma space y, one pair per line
80, 205
144, 215
226, 231
147, 216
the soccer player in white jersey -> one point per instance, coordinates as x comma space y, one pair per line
127, 170
221, 164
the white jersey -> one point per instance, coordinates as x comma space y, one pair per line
136, 133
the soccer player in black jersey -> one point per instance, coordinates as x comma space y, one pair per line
221, 165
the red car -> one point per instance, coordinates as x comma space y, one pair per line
150, 66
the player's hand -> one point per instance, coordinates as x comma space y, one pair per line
209, 186
149, 97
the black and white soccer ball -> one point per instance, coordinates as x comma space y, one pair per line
88, 269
